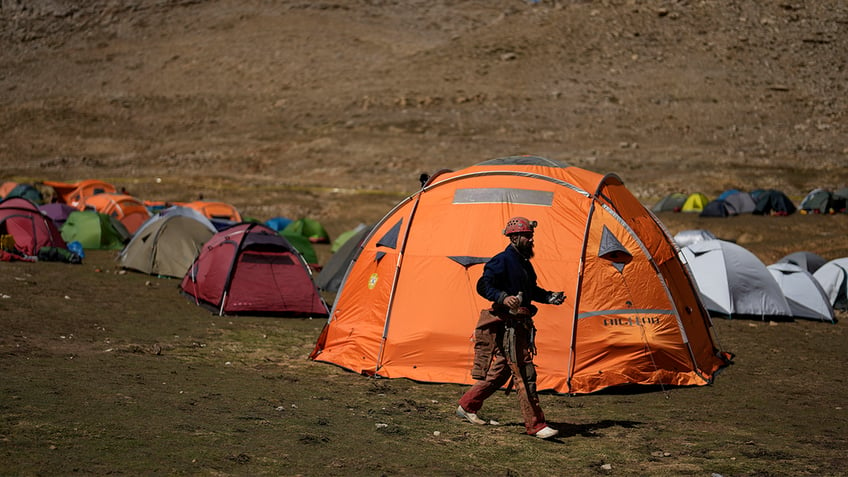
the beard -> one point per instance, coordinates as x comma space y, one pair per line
525, 249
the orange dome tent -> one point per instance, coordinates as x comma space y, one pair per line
632, 316
74, 194
214, 210
127, 209
7, 187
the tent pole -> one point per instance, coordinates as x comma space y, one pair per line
223, 302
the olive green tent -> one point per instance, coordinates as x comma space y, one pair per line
346, 235
671, 203
167, 244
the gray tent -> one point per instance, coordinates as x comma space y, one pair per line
816, 201
733, 282
167, 243
742, 202
333, 272
805, 296
670, 203
833, 278
809, 261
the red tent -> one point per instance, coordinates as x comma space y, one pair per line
250, 269
31, 229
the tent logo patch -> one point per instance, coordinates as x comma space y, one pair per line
632, 321
372, 281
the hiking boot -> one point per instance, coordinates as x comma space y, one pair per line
470, 416
546, 433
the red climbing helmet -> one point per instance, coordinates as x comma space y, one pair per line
517, 225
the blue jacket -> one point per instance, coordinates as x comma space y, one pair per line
508, 273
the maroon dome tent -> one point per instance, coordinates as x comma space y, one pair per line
250, 269
31, 229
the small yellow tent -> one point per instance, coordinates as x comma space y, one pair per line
408, 305
695, 202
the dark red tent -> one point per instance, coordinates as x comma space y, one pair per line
31, 229
249, 269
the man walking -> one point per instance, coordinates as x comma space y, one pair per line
504, 335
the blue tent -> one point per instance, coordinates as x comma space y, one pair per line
278, 223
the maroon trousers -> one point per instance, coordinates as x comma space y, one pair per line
493, 367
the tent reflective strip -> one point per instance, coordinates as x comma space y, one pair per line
503, 195
626, 311
510, 173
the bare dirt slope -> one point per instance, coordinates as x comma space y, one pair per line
291, 107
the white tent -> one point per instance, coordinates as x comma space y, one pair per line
733, 281
832, 276
805, 296
688, 237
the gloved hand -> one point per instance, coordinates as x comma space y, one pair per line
513, 302
556, 298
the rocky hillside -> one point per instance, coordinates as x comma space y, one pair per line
321, 104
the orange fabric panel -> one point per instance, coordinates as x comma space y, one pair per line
129, 210
353, 336
7, 187
74, 194
214, 210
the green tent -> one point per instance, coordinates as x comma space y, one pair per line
309, 228
302, 244
95, 230
345, 236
